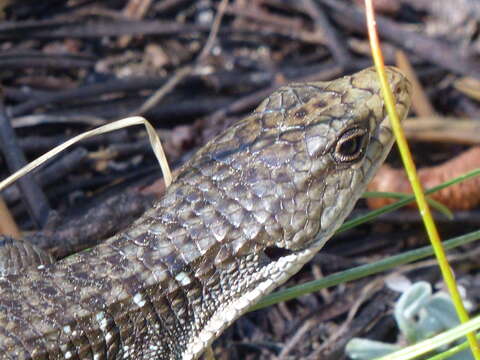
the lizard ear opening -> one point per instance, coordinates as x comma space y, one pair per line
274, 252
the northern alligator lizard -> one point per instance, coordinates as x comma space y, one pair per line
243, 215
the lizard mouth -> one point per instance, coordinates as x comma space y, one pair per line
383, 137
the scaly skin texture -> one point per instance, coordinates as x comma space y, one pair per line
16, 256
285, 178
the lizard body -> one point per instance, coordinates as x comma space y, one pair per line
243, 215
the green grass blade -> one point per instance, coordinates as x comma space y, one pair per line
361, 271
446, 337
389, 208
402, 196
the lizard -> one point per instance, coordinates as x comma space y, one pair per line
243, 215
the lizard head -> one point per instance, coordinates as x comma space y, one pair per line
338, 133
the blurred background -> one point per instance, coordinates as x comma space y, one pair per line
194, 67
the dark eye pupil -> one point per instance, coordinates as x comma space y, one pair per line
350, 147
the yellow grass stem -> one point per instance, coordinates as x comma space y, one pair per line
414, 181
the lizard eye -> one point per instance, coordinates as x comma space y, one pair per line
350, 146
